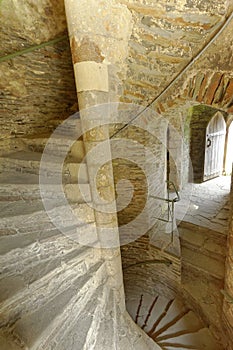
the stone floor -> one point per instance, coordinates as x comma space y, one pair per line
205, 204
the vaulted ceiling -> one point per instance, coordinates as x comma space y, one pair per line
38, 86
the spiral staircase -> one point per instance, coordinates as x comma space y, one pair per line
57, 294
169, 322
54, 292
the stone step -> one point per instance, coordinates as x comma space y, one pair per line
18, 178
71, 337
199, 340
203, 239
173, 312
204, 249
71, 126
75, 193
34, 212
131, 336
56, 144
205, 263
76, 314
205, 291
157, 306
17, 208
170, 322
21, 267
104, 323
75, 221
51, 167
179, 325
9, 343
12, 239
32, 310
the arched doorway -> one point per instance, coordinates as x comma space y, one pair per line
229, 151
214, 147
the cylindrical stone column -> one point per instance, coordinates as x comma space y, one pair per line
99, 33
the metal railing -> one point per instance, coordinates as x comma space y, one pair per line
170, 205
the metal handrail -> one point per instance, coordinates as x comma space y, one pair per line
177, 199
170, 210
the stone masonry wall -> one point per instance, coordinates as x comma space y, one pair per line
37, 88
228, 301
146, 268
146, 174
166, 36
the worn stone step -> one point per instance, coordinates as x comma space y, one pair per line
17, 178
205, 291
56, 144
198, 341
77, 313
104, 322
71, 126
171, 318
215, 266
30, 162
11, 239
75, 193
23, 215
179, 325
130, 335
71, 337
157, 306
32, 310
76, 221
9, 343
12, 209
21, 267
203, 239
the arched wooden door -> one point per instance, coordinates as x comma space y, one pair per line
214, 147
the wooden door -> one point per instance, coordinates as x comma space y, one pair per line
214, 147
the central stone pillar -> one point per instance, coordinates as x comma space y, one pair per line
99, 33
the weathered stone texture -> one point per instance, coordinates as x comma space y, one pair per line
24, 23
141, 46
165, 37
228, 300
44, 78
146, 171
37, 88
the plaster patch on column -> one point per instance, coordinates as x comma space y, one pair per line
91, 76
105, 22
86, 50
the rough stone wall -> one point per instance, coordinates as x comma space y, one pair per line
145, 266
228, 289
37, 88
146, 176
211, 65
166, 36
208, 81
158, 30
